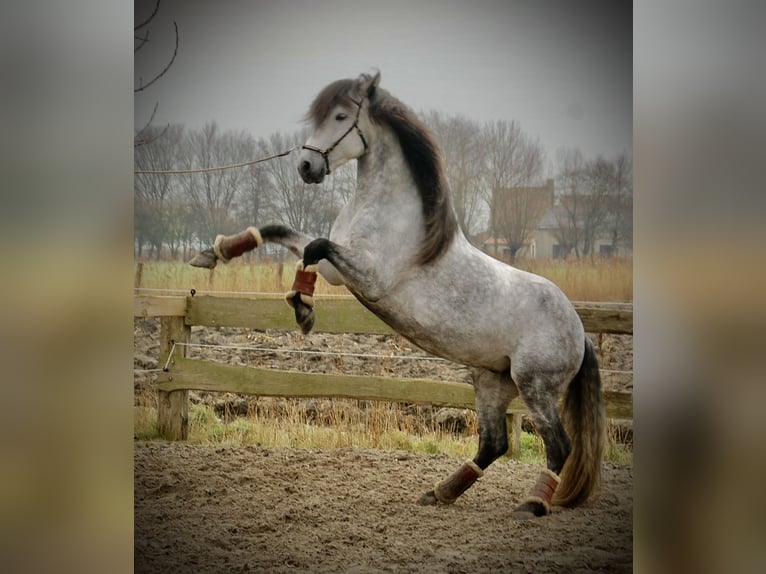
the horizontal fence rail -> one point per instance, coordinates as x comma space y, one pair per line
203, 375
334, 315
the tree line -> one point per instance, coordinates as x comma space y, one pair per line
177, 214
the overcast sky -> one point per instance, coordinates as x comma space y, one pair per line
563, 69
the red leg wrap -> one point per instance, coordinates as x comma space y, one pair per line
303, 284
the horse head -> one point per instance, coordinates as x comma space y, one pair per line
341, 127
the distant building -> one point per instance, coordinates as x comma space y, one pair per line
537, 223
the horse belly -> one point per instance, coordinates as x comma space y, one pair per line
489, 332
473, 343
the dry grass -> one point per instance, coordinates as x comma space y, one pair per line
597, 279
238, 276
343, 424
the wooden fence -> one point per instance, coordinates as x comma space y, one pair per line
340, 315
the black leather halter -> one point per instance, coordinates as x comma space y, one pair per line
326, 152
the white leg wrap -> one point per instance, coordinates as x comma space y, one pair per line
307, 268
257, 235
217, 248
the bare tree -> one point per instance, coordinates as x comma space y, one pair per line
514, 162
255, 201
141, 38
180, 231
621, 205
153, 195
461, 141
212, 194
599, 174
513, 159
516, 211
596, 202
571, 182
296, 203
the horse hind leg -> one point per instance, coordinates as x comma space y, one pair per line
541, 397
494, 391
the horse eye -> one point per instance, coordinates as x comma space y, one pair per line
341, 116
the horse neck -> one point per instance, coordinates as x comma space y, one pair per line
384, 177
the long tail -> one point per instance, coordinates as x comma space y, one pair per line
583, 417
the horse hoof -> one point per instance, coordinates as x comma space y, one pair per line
205, 259
304, 316
428, 499
308, 324
529, 509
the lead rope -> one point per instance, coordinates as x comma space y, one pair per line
206, 169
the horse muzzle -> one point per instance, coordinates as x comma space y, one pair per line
312, 166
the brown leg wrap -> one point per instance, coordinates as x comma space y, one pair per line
228, 247
545, 486
538, 503
303, 284
448, 490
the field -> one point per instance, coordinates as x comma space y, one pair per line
278, 485
598, 279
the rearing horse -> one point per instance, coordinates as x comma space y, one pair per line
398, 248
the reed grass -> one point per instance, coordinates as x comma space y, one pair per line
597, 279
587, 279
238, 276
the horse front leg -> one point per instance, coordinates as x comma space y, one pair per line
353, 268
494, 392
227, 247
340, 265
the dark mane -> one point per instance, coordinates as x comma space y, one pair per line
421, 153
336, 93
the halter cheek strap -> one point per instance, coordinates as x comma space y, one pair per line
325, 153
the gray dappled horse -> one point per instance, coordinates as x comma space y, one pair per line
398, 248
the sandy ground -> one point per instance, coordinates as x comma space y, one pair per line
250, 509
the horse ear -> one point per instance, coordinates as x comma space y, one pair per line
366, 84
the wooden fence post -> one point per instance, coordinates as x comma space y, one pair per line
513, 422
139, 275
173, 406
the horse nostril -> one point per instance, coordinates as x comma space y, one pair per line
305, 166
